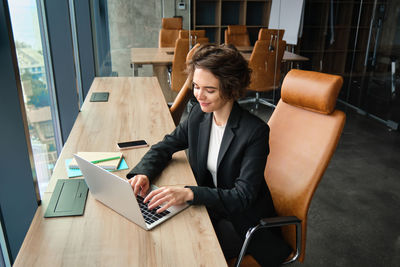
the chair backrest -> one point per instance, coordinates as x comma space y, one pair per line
237, 35
169, 31
194, 33
305, 130
167, 38
268, 34
178, 74
265, 62
201, 40
171, 23
197, 36
184, 94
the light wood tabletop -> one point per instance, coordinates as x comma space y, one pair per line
136, 110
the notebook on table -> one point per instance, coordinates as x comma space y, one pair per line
106, 160
117, 194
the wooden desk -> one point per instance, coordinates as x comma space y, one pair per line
101, 237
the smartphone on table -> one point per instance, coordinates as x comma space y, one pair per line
132, 144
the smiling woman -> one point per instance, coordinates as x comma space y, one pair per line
227, 148
220, 76
207, 92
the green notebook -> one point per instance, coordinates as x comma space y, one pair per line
68, 198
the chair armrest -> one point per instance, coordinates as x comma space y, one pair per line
273, 222
279, 221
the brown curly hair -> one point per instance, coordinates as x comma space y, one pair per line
227, 64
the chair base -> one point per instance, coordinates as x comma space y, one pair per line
248, 261
169, 75
257, 100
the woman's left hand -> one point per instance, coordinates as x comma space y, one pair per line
169, 196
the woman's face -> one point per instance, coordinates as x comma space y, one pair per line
206, 91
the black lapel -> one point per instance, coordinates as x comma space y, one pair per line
203, 142
229, 133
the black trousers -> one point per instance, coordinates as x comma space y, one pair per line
267, 247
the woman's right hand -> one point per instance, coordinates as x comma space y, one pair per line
140, 184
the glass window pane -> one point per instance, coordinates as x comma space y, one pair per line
122, 30
4, 258
358, 40
28, 43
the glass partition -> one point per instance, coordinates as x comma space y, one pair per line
358, 40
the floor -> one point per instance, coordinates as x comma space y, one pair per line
354, 217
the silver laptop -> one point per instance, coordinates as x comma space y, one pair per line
117, 194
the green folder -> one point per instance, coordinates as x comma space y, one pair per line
68, 198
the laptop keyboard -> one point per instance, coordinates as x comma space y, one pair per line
150, 216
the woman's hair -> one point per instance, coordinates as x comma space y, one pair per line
227, 64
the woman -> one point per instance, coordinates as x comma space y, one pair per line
227, 149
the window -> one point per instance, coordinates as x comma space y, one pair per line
4, 259
31, 62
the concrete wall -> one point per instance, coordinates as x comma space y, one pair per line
136, 23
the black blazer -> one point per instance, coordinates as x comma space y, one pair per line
242, 195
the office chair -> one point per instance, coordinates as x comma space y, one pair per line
169, 31
179, 104
305, 130
196, 36
178, 74
180, 101
265, 63
237, 35
268, 34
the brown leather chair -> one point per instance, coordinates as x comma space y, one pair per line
305, 130
193, 33
265, 62
268, 34
180, 101
178, 74
169, 31
196, 36
179, 104
237, 35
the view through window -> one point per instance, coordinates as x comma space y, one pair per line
28, 43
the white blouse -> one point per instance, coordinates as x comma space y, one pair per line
216, 134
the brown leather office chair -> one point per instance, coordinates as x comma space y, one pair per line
178, 74
265, 62
169, 31
179, 104
180, 101
237, 35
193, 33
196, 36
305, 130
270, 34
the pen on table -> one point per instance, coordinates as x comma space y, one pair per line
107, 159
